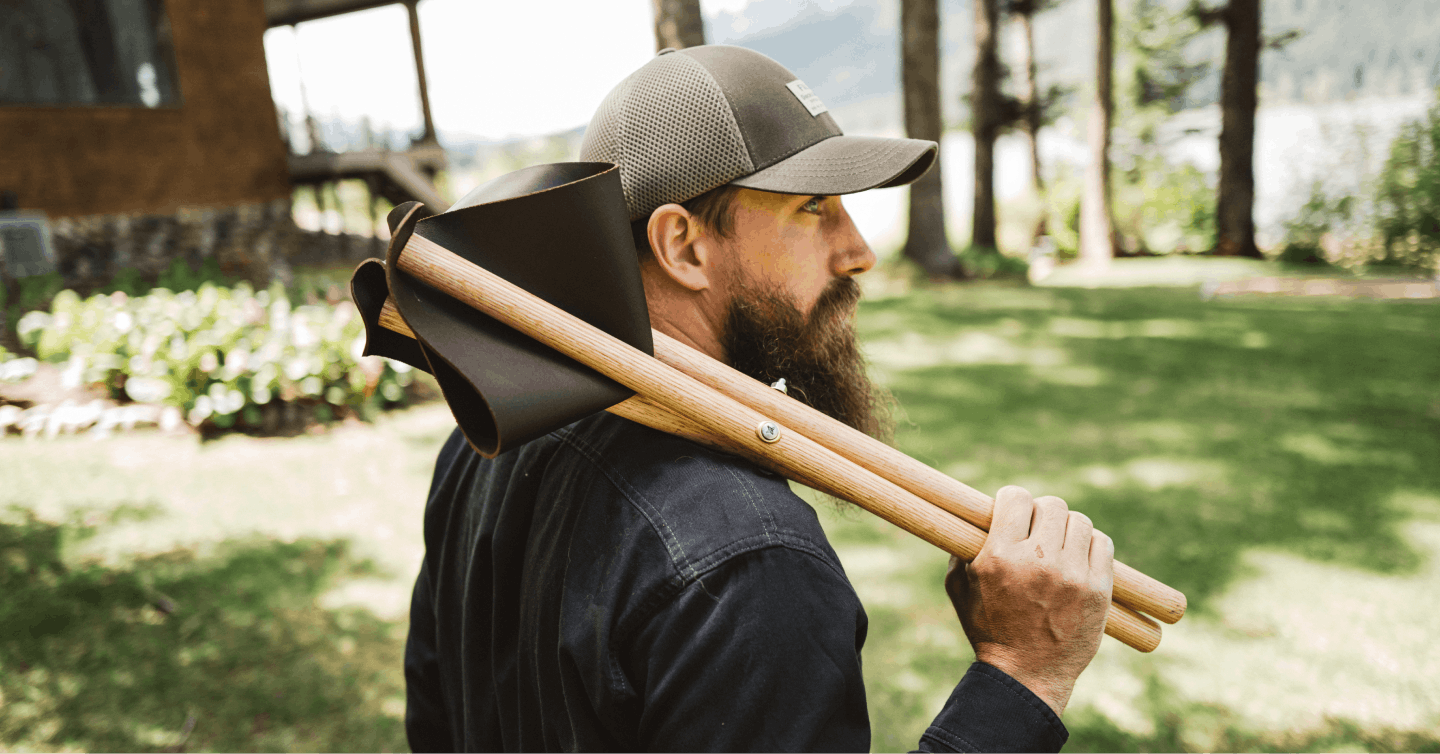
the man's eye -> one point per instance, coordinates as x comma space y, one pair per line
813, 205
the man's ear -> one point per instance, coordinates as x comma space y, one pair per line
681, 247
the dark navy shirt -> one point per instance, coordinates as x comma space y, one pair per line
610, 587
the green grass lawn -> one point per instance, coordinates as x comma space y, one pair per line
1275, 459
1278, 460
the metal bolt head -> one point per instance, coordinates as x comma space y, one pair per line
769, 431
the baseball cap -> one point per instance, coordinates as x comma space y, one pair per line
692, 120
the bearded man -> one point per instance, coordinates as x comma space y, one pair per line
610, 587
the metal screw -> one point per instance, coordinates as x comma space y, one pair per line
769, 431
780, 385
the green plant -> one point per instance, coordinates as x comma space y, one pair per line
217, 353
1307, 233
1408, 197
1165, 207
980, 262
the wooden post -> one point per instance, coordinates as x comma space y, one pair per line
429, 137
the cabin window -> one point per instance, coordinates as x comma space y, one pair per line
86, 52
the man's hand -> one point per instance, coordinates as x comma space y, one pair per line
1033, 602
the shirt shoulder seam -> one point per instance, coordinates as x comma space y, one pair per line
678, 557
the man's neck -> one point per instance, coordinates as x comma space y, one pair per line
695, 335
694, 318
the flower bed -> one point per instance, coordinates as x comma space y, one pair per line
226, 357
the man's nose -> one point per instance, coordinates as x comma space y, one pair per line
852, 255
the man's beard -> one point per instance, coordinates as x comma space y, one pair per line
767, 337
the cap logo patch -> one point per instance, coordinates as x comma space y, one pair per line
806, 97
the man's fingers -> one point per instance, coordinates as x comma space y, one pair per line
1047, 530
1102, 560
1078, 531
1013, 509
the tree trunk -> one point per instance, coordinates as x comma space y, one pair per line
1032, 121
1097, 243
1234, 205
926, 243
678, 24
984, 121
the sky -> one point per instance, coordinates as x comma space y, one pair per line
495, 69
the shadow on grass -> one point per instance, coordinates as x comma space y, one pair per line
1188, 430
219, 650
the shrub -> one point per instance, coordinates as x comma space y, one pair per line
980, 262
1408, 196
1164, 207
1315, 225
1159, 207
218, 354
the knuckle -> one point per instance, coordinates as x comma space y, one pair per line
1073, 582
985, 567
1052, 504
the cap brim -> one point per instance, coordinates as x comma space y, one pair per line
845, 165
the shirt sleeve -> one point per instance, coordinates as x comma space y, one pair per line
761, 653
990, 711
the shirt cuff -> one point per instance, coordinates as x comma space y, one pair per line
990, 711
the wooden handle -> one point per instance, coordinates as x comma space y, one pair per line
1133, 589
1122, 623
707, 410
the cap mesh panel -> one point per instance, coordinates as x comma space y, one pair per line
670, 129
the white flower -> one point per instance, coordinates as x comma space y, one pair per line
357, 348
202, 410
237, 360
305, 335
297, 368
147, 389
16, 370
74, 370
32, 321
229, 401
